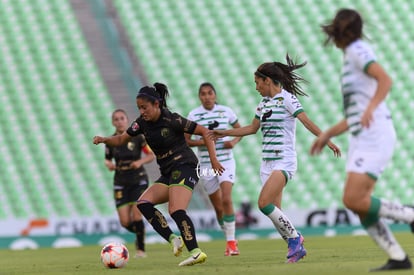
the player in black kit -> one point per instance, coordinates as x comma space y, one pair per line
164, 132
130, 178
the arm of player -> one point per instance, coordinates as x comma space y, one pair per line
211, 147
384, 85
314, 129
110, 165
113, 141
192, 142
241, 131
149, 156
324, 137
231, 143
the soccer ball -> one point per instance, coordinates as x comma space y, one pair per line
114, 255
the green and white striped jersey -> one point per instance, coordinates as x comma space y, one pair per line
277, 117
357, 86
219, 118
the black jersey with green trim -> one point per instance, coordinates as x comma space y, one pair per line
166, 139
127, 153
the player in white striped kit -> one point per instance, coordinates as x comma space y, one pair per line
219, 187
276, 117
365, 85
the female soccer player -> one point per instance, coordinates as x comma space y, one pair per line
219, 188
275, 116
164, 132
365, 85
130, 178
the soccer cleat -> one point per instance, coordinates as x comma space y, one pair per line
296, 251
295, 245
296, 257
412, 223
140, 254
177, 245
395, 265
196, 258
231, 249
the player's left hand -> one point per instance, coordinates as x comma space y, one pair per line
318, 144
367, 118
135, 164
335, 149
217, 167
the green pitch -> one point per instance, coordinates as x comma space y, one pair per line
334, 255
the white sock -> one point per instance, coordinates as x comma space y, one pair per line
383, 236
229, 229
283, 224
396, 211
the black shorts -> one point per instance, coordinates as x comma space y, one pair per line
129, 193
184, 175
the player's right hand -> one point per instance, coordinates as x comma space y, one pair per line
98, 139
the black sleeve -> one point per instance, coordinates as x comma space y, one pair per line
108, 152
183, 124
142, 141
134, 129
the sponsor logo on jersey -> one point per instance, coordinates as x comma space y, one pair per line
135, 126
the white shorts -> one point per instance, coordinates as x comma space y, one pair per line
212, 183
371, 150
268, 166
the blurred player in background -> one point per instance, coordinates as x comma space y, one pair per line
365, 85
130, 178
164, 132
276, 116
218, 187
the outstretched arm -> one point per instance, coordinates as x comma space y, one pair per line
314, 129
113, 141
241, 131
324, 137
231, 143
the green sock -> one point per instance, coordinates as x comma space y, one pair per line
372, 215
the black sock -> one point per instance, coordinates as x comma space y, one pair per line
140, 234
156, 219
131, 228
186, 227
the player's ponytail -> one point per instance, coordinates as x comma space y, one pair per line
283, 74
157, 93
162, 90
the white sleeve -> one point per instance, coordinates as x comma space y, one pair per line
293, 105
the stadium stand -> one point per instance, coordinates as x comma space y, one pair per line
184, 43
53, 99
54, 102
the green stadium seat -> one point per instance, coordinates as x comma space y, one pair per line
46, 55
231, 44
49, 82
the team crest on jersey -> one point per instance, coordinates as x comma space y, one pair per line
175, 174
165, 132
135, 126
279, 101
131, 146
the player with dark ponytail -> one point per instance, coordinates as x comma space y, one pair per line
276, 115
164, 132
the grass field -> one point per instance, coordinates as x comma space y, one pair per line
335, 255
